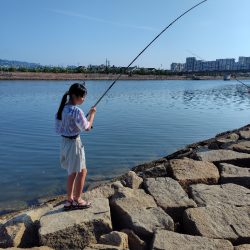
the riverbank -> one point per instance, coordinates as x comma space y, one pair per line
94, 76
195, 198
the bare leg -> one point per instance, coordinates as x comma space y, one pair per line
70, 185
79, 183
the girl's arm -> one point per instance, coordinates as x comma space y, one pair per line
91, 117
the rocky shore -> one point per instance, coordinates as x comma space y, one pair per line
196, 198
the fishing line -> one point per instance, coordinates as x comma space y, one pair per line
119, 76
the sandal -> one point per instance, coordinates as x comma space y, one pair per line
68, 205
82, 204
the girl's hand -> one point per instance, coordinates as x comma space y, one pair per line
92, 110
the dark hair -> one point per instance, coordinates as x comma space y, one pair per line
76, 89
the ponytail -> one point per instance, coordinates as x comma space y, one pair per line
63, 102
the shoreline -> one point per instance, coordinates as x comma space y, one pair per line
97, 76
193, 198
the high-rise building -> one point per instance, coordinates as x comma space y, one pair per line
193, 65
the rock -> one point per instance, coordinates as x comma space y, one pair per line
131, 180
134, 242
102, 247
169, 195
155, 171
32, 248
171, 241
76, 228
22, 229
115, 238
228, 139
136, 210
187, 171
234, 174
242, 247
227, 222
216, 195
117, 185
245, 134
223, 155
242, 146
103, 191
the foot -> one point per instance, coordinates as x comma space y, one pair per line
82, 203
68, 204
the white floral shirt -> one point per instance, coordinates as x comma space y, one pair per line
73, 121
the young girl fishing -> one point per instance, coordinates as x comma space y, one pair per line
70, 121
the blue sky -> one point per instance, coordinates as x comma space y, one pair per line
61, 32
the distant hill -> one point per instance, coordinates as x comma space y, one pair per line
18, 64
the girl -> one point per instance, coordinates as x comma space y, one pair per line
70, 121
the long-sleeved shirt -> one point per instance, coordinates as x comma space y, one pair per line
73, 121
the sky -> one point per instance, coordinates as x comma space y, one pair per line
81, 32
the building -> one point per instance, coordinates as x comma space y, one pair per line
177, 67
227, 64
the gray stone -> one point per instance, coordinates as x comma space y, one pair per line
245, 134
102, 247
230, 194
187, 171
242, 247
75, 228
241, 146
227, 139
134, 241
166, 240
32, 248
234, 174
223, 155
220, 222
115, 238
154, 171
22, 229
136, 210
131, 180
169, 195
103, 191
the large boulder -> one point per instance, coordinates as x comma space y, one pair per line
134, 242
241, 146
230, 138
102, 247
154, 171
245, 134
233, 174
132, 180
103, 191
136, 210
219, 222
76, 228
32, 248
166, 240
169, 195
216, 195
223, 155
22, 229
115, 238
242, 247
187, 171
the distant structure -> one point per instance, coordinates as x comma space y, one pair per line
194, 65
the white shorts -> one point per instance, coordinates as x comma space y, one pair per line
72, 155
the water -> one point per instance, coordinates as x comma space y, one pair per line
137, 121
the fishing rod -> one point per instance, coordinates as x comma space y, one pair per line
242, 83
119, 76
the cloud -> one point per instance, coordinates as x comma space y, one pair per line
95, 19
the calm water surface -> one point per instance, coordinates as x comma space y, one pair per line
137, 121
